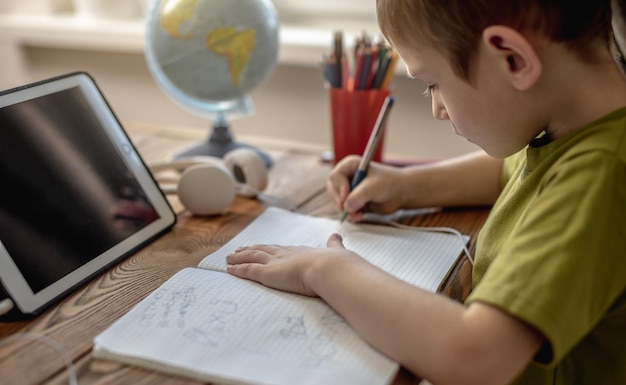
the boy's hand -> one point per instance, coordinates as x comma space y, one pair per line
380, 192
284, 267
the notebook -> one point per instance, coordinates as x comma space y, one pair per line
208, 325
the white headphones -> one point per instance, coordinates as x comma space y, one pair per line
207, 185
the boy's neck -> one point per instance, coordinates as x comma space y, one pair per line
582, 92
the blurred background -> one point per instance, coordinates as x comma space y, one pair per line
44, 38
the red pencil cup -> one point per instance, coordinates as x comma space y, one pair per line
353, 115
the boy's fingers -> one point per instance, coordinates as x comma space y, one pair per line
335, 240
245, 270
246, 255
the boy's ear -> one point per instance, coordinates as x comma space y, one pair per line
519, 58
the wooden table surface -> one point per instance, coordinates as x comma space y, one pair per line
76, 320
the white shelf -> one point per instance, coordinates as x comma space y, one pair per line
72, 32
299, 45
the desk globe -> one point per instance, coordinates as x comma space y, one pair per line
207, 55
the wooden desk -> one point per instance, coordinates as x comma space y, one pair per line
75, 321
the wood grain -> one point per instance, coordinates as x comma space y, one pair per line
75, 321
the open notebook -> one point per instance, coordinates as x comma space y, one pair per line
208, 325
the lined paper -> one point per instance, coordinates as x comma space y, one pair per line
212, 326
421, 258
207, 325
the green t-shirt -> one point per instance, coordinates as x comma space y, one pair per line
553, 253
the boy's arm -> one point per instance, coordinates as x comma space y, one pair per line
467, 180
431, 335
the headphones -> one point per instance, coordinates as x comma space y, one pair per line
207, 185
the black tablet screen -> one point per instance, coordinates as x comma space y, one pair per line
66, 195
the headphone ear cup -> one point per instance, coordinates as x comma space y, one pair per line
206, 189
248, 168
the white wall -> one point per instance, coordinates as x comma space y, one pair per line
291, 106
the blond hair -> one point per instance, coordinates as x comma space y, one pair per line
455, 27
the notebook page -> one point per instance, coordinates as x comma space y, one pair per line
421, 258
212, 326
275, 226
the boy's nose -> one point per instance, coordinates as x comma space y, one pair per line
439, 109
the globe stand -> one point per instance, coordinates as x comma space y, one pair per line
208, 67
219, 142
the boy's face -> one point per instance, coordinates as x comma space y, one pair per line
486, 112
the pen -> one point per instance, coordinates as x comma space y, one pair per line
372, 143
365, 69
389, 71
338, 50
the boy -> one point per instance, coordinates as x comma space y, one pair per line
534, 84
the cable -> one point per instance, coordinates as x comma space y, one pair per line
240, 189
6, 305
269, 199
448, 230
71, 372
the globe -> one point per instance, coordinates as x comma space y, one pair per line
208, 55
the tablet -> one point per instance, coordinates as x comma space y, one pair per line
75, 196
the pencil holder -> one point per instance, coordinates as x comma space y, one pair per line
353, 115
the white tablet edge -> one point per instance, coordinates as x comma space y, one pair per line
13, 281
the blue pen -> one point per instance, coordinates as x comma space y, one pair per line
365, 70
372, 143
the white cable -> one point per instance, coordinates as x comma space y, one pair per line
6, 305
272, 200
448, 230
71, 372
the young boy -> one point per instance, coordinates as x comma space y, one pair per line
534, 84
